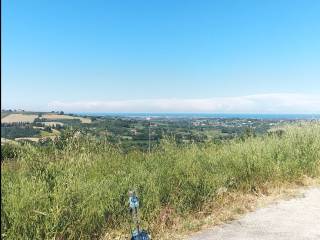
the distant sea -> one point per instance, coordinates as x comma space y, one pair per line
207, 115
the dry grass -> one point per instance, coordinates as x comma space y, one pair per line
81, 185
18, 117
37, 139
5, 140
229, 206
33, 139
57, 116
4, 114
232, 205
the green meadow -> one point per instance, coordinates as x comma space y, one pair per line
77, 188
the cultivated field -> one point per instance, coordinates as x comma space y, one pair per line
18, 117
4, 114
57, 116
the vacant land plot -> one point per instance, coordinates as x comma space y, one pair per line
57, 116
18, 117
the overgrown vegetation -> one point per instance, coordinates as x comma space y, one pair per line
77, 188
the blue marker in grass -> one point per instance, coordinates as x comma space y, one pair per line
137, 234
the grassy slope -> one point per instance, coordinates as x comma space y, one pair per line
81, 191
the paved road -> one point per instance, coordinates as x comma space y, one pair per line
295, 219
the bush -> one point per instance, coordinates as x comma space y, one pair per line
9, 151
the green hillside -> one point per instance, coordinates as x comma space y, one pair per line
77, 187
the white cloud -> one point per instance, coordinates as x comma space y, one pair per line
259, 103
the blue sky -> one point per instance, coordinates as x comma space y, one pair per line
188, 56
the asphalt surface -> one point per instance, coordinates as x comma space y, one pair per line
294, 219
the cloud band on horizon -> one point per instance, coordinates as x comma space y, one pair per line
258, 103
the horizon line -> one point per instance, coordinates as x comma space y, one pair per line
146, 113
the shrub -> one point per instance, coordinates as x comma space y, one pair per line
9, 151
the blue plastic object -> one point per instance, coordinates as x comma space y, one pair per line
133, 201
143, 235
137, 234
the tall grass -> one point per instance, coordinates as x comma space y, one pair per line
81, 190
